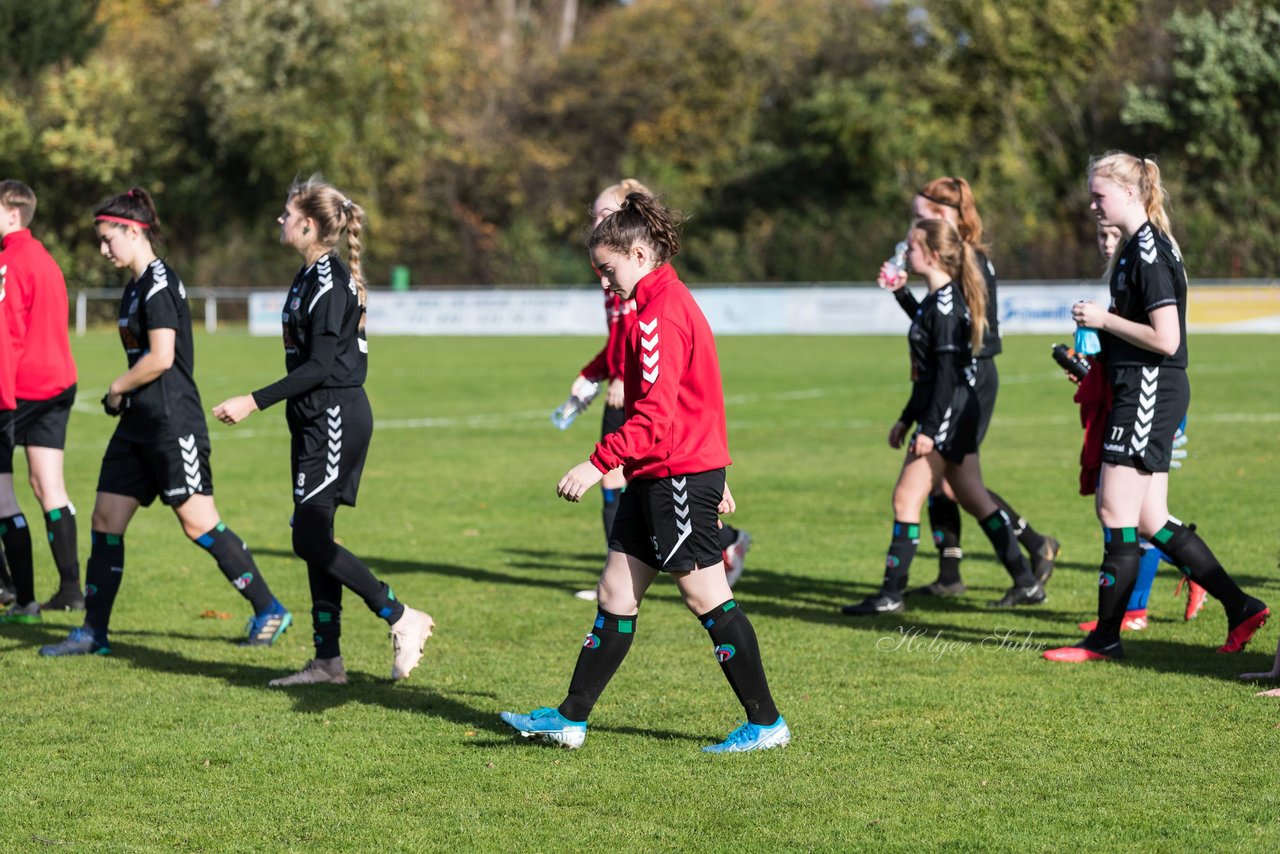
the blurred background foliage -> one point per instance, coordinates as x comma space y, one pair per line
793, 132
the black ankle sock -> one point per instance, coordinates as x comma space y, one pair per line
1027, 535
609, 510
897, 564
326, 611
727, 535
602, 652
61, 525
739, 657
996, 527
237, 565
1116, 580
102, 580
17, 549
944, 520
1190, 553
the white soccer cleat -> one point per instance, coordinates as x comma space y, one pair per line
408, 635
317, 671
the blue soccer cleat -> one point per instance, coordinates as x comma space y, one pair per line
548, 725
751, 736
81, 641
264, 628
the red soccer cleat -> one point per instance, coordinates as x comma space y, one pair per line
1243, 633
1134, 621
1086, 651
1195, 600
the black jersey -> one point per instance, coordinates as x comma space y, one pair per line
324, 343
1148, 275
168, 406
991, 345
941, 356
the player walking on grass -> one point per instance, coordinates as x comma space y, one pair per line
330, 424
947, 328
1145, 352
44, 387
673, 448
951, 199
606, 368
161, 445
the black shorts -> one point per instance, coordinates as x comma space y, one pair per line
957, 435
1147, 405
671, 523
986, 386
43, 423
6, 441
330, 430
612, 420
174, 469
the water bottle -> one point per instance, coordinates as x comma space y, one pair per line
898, 263
575, 404
1071, 361
1087, 342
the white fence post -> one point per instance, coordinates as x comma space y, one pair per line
211, 313
82, 313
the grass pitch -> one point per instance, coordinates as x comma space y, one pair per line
937, 728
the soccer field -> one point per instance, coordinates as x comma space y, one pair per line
962, 737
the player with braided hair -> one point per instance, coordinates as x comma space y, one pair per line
331, 424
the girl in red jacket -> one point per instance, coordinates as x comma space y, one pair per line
673, 449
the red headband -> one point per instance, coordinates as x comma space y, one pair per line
120, 220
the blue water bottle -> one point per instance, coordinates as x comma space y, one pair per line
1087, 343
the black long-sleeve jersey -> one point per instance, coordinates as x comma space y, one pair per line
168, 406
1149, 274
324, 344
991, 345
941, 357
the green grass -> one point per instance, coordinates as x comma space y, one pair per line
174, 741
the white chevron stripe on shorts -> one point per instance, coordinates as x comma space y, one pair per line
335, 451
1146, 411
680, 495
190, 462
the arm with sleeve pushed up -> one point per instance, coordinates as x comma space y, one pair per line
655, 406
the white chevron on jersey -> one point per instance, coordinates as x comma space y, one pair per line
650, 353
159, 278
944, 428
945, 304
324, 272
335, 449
1147, 245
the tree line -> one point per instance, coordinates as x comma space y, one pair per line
792, 132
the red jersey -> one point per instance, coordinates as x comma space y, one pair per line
35, 308
620, 315
675, 401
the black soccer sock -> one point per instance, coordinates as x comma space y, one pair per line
5, 581
739, 657
996, 527
944, 520
1031, 540
102, 580
728, 534
326, 611
313, 542
897, 564
237, 565
1116, 580
61, 525
609, 510
17, 549
602, 652
1191, 555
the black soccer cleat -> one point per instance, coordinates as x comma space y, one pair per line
1016, 597
881, 603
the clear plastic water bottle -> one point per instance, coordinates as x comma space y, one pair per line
898, 263
579, 399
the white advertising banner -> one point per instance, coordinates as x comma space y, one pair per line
1024, 308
